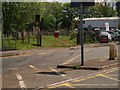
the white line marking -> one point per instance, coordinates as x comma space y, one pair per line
32, 66
42, 53
19, 77
21, 82
71, 59
105, 71
57, 72
108, 77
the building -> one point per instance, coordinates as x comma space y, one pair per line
114, 23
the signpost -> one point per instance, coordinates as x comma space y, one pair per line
78, 4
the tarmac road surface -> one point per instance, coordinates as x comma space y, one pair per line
38, 69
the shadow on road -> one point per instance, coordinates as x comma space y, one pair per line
51, 73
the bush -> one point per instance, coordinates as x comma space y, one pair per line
73, 34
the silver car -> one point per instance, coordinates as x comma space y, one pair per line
114, 35
105, 34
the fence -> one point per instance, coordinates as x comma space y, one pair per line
29, 39
18, 40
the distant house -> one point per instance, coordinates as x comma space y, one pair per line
114, 23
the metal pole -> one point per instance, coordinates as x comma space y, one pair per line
81, 35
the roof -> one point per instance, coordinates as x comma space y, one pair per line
103, 18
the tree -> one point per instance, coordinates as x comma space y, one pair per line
16, 15
118, 8
100, 10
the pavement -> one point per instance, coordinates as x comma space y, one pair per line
95, 64
21, 52
13, 53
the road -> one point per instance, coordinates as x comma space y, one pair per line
38, 70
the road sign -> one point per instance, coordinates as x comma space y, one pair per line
56, 34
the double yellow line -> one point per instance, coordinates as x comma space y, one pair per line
101, 73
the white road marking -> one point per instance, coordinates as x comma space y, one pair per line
32, 66
57, 72
71, 59
19, 77
42, 53
108, 77
21, 82
105, 72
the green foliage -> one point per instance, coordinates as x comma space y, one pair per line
19, 16
118, 8
47, 41
73, 34
100, 10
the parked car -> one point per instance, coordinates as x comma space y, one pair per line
105, 37
113, 34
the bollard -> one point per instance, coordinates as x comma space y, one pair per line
112, 52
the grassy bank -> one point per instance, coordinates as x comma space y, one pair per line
47, 41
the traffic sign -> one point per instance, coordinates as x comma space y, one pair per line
56, 34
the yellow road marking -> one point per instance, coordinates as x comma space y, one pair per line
111, 75
109, 71
108, 77
64, 84
32, 66
92, 84
82, 79
68, 85
85, 78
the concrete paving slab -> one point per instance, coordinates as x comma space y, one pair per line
95, 64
